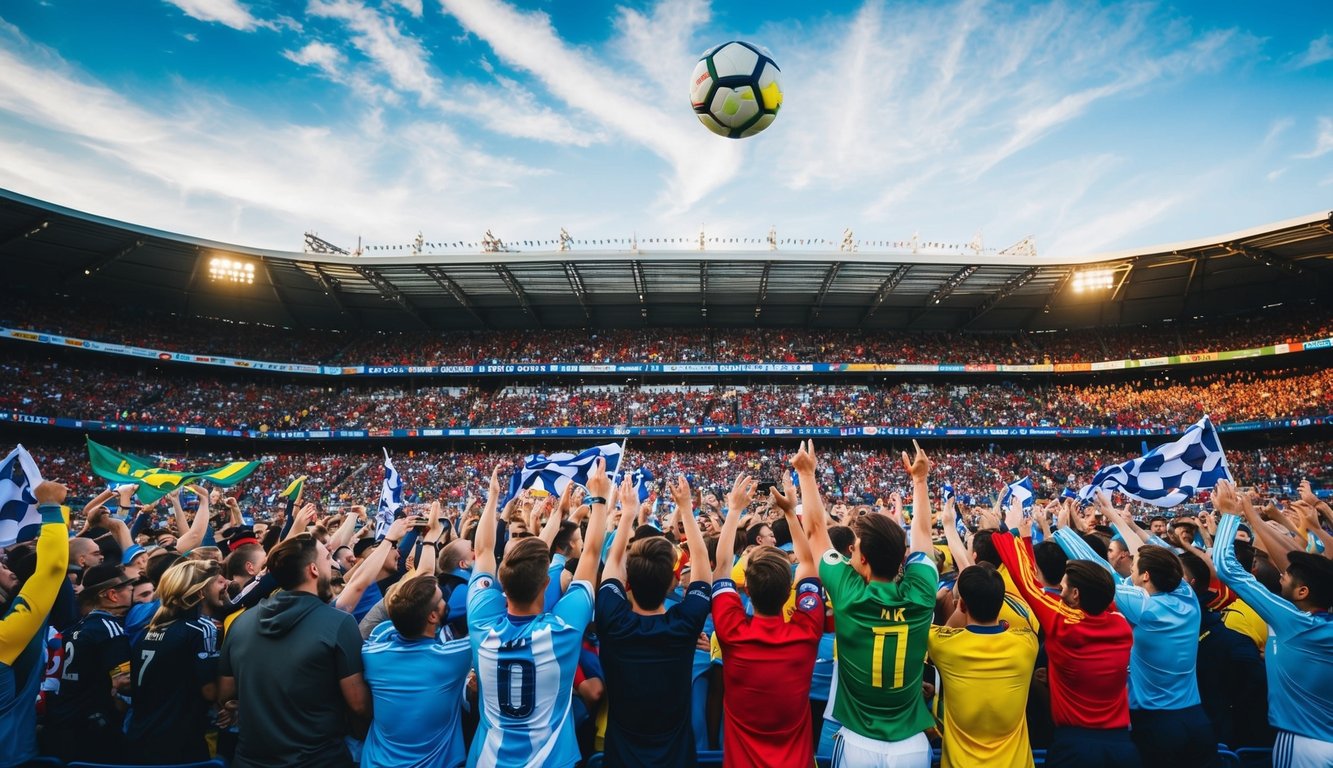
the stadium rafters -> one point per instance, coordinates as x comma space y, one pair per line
618, 283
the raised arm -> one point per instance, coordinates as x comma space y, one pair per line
347, 531
918, 467
485, 541
614, 567
1277, 612
99, 500
33, 603
360, 579
1274, 543
693, 536
726, 538
1129, 533
1310, 516
807, 565
599, 487
553, 516
812, 504
430, 543
962, 558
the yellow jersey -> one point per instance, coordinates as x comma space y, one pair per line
1243, 619
985, 673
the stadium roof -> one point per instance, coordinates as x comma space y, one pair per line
48, 250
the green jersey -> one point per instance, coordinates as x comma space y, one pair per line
881, 629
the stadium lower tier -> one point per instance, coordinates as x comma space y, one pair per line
37, 388
855, 472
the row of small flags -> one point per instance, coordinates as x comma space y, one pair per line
695, 240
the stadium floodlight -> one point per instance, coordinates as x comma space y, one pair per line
1094, 280
231, 270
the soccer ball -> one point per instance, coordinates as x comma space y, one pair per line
735, 90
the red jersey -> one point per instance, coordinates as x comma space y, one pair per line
1089, 655
767, 665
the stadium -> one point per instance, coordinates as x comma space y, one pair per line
411, 384
704, 361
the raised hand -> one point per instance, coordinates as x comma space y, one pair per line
48, 492
742, 492
599, 484
680, 493
1225, 498
918, 466
804, 460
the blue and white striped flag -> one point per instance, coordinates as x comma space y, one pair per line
552, 473
391, 497
19, 520
1021, 489
1169, 474
641, 477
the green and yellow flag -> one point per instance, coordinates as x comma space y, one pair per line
293, 491
155, 482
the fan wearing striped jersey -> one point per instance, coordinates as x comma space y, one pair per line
526, 658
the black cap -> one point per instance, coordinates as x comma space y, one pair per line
102, 577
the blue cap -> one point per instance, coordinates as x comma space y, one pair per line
130, 553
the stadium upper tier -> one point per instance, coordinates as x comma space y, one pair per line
854, 473
694, 351
100, 395
51, 252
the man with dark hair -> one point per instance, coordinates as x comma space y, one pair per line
1088, 649
295, 663
647, 649
882, 622
1014, 610
1300, 667
417, 677
1051, 561
84, 719
526, 658
769, 658
1170, 726
1158, 526
986, 668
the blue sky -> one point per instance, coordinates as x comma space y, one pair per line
1091, 127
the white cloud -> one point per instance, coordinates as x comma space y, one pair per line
618, 101
226, 12
191, 37
319, 55
181, 161
1319, 51
1323, 143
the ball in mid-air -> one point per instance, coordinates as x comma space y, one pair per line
735, 90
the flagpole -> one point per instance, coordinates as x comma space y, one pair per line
1218, 437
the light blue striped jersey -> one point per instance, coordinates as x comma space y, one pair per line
418, 685
1166, 635
1297, 658
525, 674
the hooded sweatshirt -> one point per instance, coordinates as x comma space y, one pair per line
288, 655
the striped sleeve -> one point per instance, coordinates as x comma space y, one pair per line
1281, 615
1048, 608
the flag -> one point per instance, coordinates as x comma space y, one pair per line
19, 520
391, 497
552, 473
946, 492
155, 482
293, 491
641, 477
1170, 473
1023, 491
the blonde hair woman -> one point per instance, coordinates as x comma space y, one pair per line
174, 667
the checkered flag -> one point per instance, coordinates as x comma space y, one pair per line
1169, 474
1022, 490
552, 473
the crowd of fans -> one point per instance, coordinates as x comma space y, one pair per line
99, 391
342, 476
277, 632
137, 327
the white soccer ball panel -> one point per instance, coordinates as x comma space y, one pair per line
734, 107
713, 125
700, 82
734, 59
764, 121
